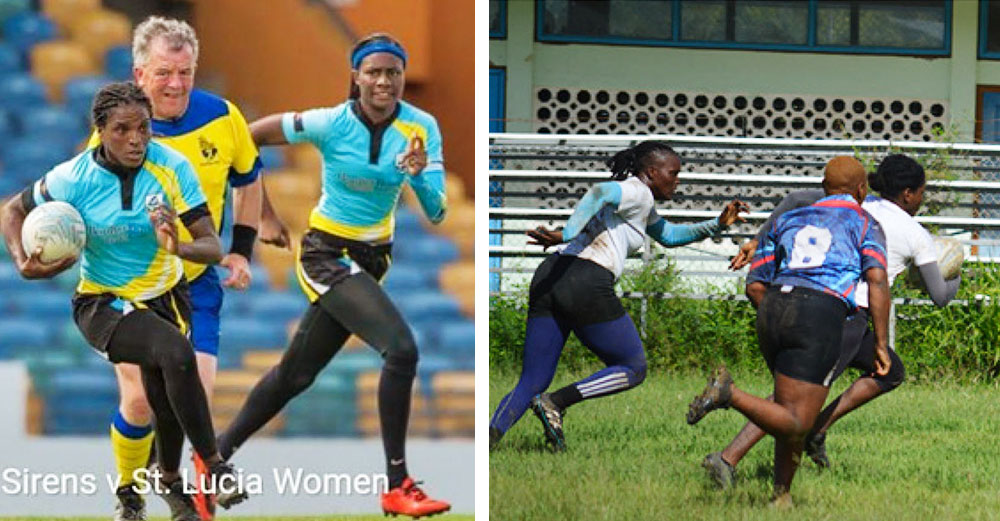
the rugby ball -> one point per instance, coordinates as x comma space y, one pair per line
951, 255
57, 227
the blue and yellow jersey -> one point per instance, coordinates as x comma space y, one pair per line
361, 176
213, 135
826, 246
121, 255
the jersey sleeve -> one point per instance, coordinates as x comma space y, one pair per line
56, 185
429, 183
764, 265
246, 160
310, 126
922, 244
873, 247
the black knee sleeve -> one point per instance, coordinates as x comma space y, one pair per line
401, 357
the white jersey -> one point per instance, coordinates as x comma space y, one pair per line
906, 241
612, 234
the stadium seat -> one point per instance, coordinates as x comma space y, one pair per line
9, 8
118, 65
7, 129
100, 30
278, 307
271, 158
459, 280
427, 250
8, 187
261, 278
78, 93
20, 91
245, 333
55, 62
46, 307
24, 332
427, 306
64, 12
27, 159
10, 279
10, 59
52, 122
458, 338
407, 222
402, 277
26, 29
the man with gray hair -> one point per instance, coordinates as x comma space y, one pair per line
213, 135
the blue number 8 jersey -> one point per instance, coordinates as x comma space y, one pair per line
122, 255
826, 247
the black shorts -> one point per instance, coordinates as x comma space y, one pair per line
574, 290
800, 333
98, 315
325, 260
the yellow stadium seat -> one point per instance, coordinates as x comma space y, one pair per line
65, 12
55, 62
100, 30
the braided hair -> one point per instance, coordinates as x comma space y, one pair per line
896, 173
635, 159
115, 95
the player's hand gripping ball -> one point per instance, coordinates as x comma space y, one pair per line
57, 228
951, 255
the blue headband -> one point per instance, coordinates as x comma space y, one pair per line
374, 47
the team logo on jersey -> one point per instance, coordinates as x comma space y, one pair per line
154, 202
208, 149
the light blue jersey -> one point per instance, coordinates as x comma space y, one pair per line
122, 256
362, 178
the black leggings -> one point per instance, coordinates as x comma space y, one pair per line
357, 305
170, 377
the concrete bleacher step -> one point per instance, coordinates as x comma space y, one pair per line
231, 389
261, 361
459, 280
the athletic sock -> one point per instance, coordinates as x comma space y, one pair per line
566, 396
131, 445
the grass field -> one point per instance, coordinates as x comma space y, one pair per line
928, 451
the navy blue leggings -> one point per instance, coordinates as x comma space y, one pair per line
615, 342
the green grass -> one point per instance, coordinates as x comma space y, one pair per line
924, 451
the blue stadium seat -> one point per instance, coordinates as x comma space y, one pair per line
458, 338
427, 250
78, 93
118, 63
8, 187
427, 306
245, 333
272, 158
10, 59
404, 277
42, 305
23, 30
10, 279
52, 122
7, 128
278, 307
23, 332
27, 159
261, 277
407, 222
20, 91
9, 8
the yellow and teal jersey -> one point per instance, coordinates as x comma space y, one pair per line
213, 135
122, 256
362, 178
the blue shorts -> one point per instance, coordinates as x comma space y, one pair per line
206, 302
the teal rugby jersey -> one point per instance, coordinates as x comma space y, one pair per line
122, 256
361, 177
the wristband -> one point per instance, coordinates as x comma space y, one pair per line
243, 239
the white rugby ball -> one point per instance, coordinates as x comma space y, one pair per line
951, 255
57, 227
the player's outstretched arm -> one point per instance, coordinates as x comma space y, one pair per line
12, 215
878, 306
940, 290
206, 248
673, 235
267, 131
